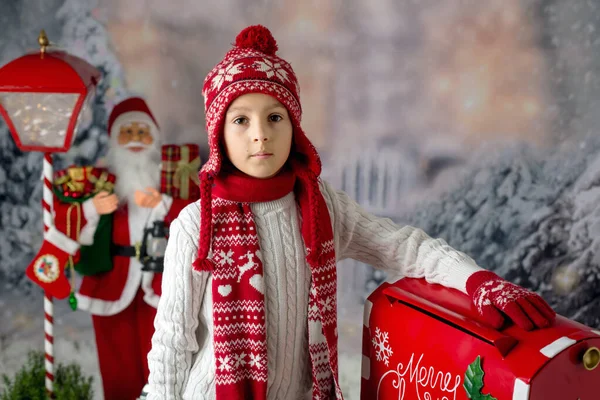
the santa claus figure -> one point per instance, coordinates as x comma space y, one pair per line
123, 300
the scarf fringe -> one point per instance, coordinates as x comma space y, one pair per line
203, 265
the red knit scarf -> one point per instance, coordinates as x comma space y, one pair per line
240, 342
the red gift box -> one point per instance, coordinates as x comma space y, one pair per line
425, 341
80, 182
179, 171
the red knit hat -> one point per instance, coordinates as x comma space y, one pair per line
133, 109
251, 66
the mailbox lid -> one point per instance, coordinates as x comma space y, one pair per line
524, 353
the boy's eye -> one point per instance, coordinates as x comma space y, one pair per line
129, 131
275, 118
141, 132
240, 120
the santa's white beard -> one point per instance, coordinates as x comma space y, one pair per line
133, 171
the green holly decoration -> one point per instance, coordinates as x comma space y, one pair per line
474, 381
73, 301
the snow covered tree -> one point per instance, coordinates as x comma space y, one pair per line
85, 37
532, 217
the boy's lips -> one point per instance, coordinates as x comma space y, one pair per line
262, 154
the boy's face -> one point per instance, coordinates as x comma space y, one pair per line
257, 135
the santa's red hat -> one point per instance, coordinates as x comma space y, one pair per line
133, 109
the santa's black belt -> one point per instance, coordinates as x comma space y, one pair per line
125, 251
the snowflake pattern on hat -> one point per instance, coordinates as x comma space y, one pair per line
225, 75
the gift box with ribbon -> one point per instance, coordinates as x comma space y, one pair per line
179, 171
82, 182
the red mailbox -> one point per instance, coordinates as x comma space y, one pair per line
424, 341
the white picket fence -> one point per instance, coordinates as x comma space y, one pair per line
377, 180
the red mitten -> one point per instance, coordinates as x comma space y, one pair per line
492, 294
48, 268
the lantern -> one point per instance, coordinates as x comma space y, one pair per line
154, 244
43, 96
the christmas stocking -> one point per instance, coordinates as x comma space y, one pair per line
48, 268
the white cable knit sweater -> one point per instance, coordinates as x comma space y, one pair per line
182, 364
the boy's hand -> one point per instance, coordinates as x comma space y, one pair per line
492, 295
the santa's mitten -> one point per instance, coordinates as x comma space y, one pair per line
48, 267
492, 294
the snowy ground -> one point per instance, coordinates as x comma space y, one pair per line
22, 330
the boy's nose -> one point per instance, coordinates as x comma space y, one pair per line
261, 135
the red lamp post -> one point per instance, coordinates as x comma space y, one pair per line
42, 98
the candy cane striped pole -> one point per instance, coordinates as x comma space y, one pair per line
48, 305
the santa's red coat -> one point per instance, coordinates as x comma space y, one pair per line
109, 293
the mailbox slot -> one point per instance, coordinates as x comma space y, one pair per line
503, 343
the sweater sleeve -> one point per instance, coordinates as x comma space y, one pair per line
177, 318
401, 251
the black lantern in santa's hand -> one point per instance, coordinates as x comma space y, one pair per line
154, 244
